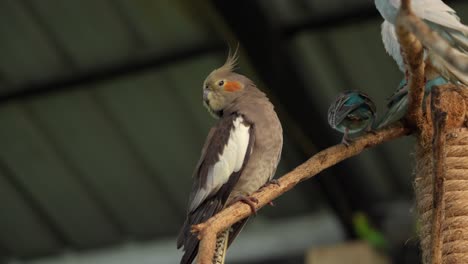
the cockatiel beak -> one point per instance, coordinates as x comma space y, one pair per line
205, 96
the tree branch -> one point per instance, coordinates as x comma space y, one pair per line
322, 160
413, 54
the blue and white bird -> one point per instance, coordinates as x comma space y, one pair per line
440, 18
352, 112
398, 102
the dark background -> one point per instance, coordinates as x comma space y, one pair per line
101, 124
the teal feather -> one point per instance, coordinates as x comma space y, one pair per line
398, 102
351, 112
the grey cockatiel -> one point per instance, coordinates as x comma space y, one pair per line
441, 18
240, 154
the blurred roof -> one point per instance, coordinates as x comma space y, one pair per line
101, 122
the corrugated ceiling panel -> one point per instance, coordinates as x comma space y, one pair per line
163, 24
287, 12
362, 60
168, 138
317, 70
25, 52
327, 7
91, 32
42, 173
22, 231
89, 138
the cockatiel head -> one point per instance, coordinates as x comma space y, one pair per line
223, 86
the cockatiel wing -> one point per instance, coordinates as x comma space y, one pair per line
224, 156
226, 152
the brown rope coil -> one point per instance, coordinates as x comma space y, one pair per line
454, 230
455, 226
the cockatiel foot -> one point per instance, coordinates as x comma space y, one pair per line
249, 200
272, 181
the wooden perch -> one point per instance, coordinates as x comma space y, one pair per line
413, 54
322, 160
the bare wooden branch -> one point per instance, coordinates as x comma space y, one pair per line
413, 54
439, 118
322, 160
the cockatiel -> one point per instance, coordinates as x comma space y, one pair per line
240, 154
350, 113
441, 18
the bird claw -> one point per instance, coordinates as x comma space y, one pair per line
275, 182
346, 141
272, 181
249, 200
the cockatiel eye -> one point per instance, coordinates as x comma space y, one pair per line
221, 83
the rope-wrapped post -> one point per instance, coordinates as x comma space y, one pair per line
441, 182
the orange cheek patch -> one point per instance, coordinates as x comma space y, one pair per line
232, 86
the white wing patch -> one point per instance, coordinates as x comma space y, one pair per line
230, 161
